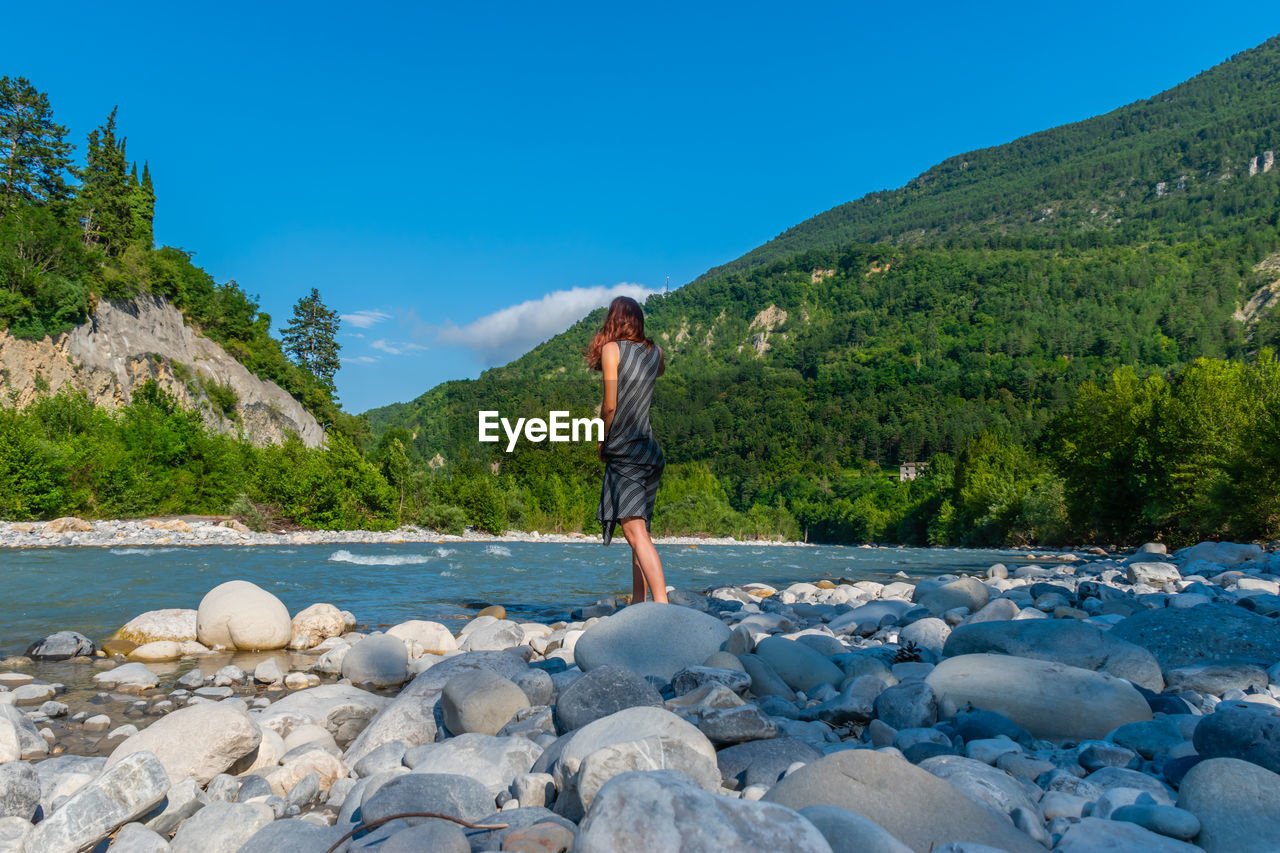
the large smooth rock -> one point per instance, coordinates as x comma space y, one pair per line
910, 705
1237, 802
432, 637
1222, 553
1241, 730
1181, 636
19, 790
378, 659
129, 676
199, 740
983, 783
867, 617
136, 838
313, 625
964, 592
175, 625
643, 638
1217, 677
1063, 640
122, 793
1051, 700
628, 725
61, 645
444, 793
242, 615
666, 811
919, 809
800, 666
341, 709
480, 701
493, 636
1094, 835
20, 736
221, 827
762, 762
291, 836
603, 691
492, 761
412, 716
847, 832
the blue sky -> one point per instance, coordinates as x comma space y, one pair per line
464, 180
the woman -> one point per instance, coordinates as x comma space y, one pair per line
632, 458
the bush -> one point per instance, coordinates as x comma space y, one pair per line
443, 518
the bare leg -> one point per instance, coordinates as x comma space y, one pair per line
639, 589
646, 556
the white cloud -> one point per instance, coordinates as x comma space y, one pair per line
364, 319
362, 359
396, 347
510, 332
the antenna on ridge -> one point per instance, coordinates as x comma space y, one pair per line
667, 286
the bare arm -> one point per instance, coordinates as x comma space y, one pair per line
610, 355
662, 361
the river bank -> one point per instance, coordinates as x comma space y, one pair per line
185, 531
1091, 704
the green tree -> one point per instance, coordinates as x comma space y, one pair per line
142, 207
34, 156
106, 215
311, 338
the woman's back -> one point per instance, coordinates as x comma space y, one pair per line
630, 434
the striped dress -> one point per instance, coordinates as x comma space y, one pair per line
632, 458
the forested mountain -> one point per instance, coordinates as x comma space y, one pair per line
954, 318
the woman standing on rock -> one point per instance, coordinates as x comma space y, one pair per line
633, 461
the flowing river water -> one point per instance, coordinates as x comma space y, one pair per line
96, 590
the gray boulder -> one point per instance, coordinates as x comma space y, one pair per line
667, 811
1241, 730
651, 639
379, 659
412, 716
457, 796
136, 838
983, 783
121, 794
341, 709
1095, 835
1178, 637
495, 636
964, 592
929, 634
199, 740
910, 705
481, 701
21, 735
19, 790
1051, 700
492, 761
916, 807
797, 664
1237, 802
765, 680
867, 617
733, 675
1169, 821
61, 645
603, 691
291, 836
1063, 640
847, 832
1217, 677
433, 836
762, 762
221, 827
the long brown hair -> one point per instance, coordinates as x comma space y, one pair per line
625, 322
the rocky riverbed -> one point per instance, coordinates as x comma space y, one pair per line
1119, 704
72, 532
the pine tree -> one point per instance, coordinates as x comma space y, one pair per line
106, 214
34, 157
311, 338
142, 208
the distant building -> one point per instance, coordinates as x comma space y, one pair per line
911, 470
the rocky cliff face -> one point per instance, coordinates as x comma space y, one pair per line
126, 343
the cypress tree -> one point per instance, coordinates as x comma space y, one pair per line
142, 208
106, 213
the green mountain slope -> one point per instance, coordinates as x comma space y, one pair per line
909, 324
1149, 170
